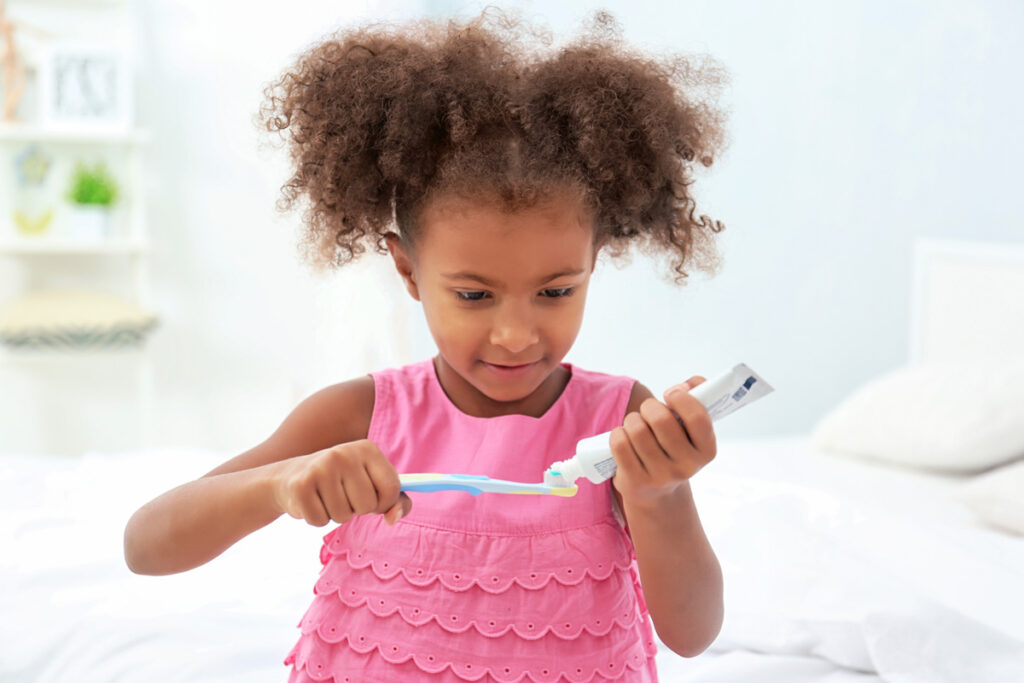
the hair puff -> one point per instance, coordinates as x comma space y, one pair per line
379, 119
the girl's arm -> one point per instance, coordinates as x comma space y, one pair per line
679, 573
317, 466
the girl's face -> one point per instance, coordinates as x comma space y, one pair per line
503, 295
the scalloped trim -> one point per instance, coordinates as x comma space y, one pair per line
459, 581
468, 672
453, 624
567, 556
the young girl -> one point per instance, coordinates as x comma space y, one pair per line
493, 172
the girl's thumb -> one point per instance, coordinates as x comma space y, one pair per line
399, 509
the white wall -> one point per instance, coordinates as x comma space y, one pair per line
249, 329
855, 127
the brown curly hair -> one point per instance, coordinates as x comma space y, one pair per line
381, 118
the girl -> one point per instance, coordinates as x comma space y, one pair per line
493, 172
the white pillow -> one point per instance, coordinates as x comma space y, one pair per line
72, 319
997, 497
954, 417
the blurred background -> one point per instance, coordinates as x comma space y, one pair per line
151, 295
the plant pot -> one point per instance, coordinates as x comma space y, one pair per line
89, 222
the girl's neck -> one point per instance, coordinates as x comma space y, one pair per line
473, 402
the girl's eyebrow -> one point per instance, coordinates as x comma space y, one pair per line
467, 275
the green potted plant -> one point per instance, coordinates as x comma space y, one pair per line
92, 194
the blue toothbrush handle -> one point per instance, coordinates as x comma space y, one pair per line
474, 484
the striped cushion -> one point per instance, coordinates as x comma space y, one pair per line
73, 319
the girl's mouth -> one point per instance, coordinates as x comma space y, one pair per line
509, 370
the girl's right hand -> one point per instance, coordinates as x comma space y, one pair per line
353, 478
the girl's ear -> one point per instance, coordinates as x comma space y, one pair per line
403, 263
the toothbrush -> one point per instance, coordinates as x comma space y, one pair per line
476, 484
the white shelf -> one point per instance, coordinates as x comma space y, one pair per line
73, 3
76, 135
48, 354
27, 247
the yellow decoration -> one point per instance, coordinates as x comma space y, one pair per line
33, 226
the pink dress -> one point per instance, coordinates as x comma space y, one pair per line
489, 587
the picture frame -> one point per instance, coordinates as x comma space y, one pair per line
85, 85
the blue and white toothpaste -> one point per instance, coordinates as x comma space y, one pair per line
721, 396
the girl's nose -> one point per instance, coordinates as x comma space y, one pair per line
514, 329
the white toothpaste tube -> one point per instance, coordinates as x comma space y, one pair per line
721, 396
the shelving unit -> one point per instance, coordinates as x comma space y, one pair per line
123, 150
118, 264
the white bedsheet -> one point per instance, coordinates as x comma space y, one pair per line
869, 568
836, 571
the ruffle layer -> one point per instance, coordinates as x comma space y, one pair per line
591, 658
541, 608
528, 613
426, 554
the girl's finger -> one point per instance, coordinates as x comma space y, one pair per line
335, 501
362, 495
313, 510
626, 459
385, 482
695, 419
691, 383
667, 428
645, 445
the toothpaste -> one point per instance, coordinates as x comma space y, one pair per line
722, 395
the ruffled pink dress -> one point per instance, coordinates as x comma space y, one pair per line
481, 588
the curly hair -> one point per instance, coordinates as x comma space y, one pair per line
380, 119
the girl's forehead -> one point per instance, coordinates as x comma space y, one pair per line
560, 207
458, 236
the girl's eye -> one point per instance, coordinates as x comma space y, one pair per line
558, 292
470, 296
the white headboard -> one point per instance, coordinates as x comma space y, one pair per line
967, 300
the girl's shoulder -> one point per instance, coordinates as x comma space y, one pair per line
336, 414
597, 385
343, 410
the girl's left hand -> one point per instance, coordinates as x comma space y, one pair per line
656, 453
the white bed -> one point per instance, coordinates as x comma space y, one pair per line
837, 568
